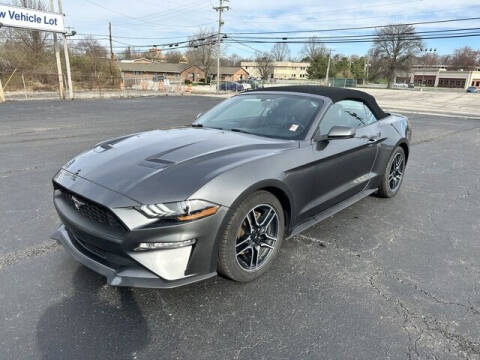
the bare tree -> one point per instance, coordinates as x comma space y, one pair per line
202, 51
465, 58
95, 53
21, 42
232, 60
264, 65
313, 48
396, 46
280, 52
174, 57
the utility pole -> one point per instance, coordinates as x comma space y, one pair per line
365, 70
111, 49
57, 57
328, 66
220, 8
67, 57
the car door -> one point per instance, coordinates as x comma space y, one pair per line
341, 167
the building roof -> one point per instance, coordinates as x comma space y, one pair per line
335, 94
229, 70
154, 67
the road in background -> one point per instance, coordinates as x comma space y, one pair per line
392, 279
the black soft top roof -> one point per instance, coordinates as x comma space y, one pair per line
335, 94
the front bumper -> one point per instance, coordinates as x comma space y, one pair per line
103, 234
131, 276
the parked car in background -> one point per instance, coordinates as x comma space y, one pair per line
472, 89
255, 84
231, 86
246, 85
411, 85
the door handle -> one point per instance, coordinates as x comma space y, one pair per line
374, 139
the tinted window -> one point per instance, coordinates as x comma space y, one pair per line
274, 115
346, 113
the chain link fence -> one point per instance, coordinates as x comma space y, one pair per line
18, 85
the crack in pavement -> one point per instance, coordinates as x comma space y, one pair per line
413, 321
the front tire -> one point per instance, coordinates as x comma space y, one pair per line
252, 237
392, 178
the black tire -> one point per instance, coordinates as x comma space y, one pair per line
233, 267
386, 189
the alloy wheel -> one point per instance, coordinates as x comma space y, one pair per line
257, 237
396, 172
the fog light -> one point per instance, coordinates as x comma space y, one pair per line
164, 245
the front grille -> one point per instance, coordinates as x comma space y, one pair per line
91, 210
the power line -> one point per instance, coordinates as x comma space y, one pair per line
356, 28
320, 38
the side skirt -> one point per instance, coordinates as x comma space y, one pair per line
331, 211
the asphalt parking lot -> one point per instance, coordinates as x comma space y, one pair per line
383, 279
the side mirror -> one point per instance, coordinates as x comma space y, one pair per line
341, 132
198, 115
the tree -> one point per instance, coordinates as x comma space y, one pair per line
21, 42
357, 67
318, 67
264, 65
232, 60
174, 57
396, 45
128, 54
313, 48
465, 58
280, 52
202, 51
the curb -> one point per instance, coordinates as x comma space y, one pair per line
434, 113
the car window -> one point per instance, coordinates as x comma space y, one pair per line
243, 109
370, 118
349, 113
282, 116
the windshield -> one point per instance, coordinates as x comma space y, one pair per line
272, 115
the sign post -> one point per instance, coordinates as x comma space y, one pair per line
57, 58
2, 96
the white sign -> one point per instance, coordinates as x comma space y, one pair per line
19, 17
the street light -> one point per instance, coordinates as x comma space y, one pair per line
425, 52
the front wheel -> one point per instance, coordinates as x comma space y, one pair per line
252, 237
393, 175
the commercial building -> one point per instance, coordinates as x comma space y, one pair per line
282, 70
440, 76
153, 71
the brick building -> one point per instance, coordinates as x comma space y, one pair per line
154, 71
230, 73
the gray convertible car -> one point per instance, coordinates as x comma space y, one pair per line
166, 208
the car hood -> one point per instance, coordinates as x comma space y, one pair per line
169, 165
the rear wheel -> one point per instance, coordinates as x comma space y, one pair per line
252, 237
393, 175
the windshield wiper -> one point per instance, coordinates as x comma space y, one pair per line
241, 131
206, 127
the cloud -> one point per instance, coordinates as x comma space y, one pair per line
160, 19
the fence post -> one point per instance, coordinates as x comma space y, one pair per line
24, 87
2, 96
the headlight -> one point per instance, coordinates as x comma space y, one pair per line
182, 211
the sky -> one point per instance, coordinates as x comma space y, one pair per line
147, 22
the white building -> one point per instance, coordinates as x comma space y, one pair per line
282, 70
